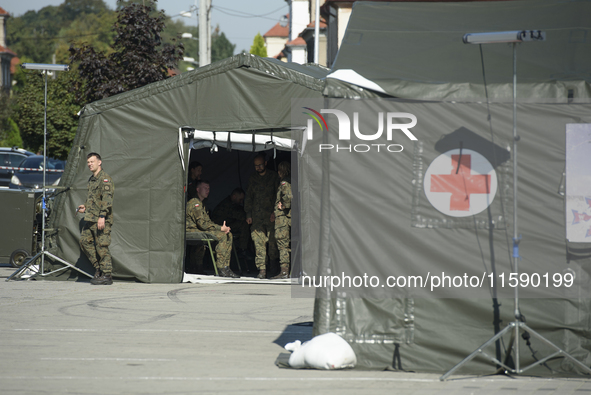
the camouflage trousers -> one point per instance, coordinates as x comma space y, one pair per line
95, 244
283, 236
263, 233
223, 249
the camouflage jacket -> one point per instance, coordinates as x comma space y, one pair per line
197, 217
228, 211
260, 195
284, 196
99, 201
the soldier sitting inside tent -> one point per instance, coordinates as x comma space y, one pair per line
197, 219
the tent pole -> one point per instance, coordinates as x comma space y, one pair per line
517, 314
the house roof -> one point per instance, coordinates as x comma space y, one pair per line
3, 11
280, 55
322, 23
297, 42
278, 30
6, 50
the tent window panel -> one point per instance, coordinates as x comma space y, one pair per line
578, 183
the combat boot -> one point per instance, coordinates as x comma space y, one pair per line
97, 275
227, 272
105, 279
262, 274
283, 272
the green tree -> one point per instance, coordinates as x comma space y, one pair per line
221, 47
89, 29
173, 31
12, 136
37, 34
258, 46
62, 109
9, 132
139, 56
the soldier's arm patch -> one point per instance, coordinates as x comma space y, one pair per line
106, 187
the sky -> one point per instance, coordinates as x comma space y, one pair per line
240, 20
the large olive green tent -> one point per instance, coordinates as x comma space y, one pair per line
379, 218
144, 137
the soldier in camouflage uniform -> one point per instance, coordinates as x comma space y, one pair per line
283, 219
258, 204
197, 219
231, 210
195, 171
194, 253
98, 219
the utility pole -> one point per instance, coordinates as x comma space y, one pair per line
204, 33
316, 31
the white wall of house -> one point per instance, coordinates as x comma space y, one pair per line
275, 45
299, 55
299, 17
3, 30
344, 14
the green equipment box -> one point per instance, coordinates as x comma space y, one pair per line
18, 218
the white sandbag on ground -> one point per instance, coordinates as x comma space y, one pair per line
327, 351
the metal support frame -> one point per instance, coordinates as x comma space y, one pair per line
209, 240
517, 325
28, 264
514, 327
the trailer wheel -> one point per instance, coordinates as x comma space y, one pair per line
19, 257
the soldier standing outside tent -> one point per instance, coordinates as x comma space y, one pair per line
283, 219
258, 204
198, 220
98, 216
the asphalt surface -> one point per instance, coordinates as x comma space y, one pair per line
131, 338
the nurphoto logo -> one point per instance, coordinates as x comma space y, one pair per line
361, 131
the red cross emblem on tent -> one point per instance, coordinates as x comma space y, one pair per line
460, 183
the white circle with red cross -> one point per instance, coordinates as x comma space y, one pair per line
460, 183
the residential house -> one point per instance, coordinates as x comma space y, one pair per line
7, 57
276, 38
299, 47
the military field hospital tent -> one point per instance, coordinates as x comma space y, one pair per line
403, 157
144, 137
414, 242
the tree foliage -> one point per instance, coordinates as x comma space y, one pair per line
175, 29
62, 109
258, 46
9, 133
36, 34
91, 29
221, 47
139, 56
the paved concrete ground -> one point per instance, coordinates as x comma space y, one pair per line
128, 338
